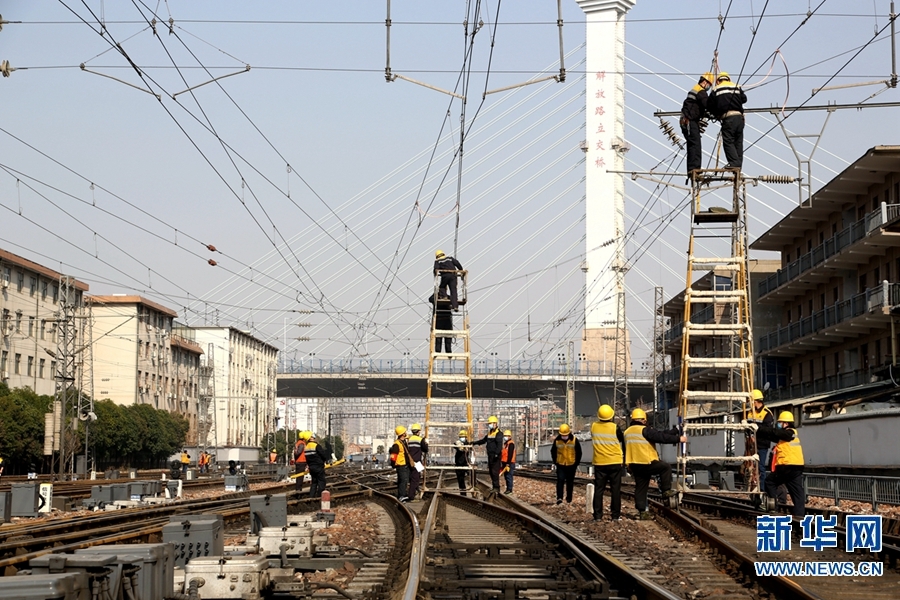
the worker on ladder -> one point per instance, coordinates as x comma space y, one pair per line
726, 103
446, 267
693, 110
443, 321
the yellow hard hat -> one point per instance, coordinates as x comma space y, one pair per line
723, 76
507, 432
707, 77
786, 416
304, 435
564, 429
399, 430
439, 254
493, 419
463, 433
415, 427
605, 412
638, 413
756, 395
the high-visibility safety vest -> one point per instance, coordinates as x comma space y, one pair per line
300, 451
638, 451
508, 455
565, 451
758, 417
788, 453
399, 459
310, 450
607, 449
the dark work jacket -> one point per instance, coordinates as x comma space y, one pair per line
724, 98
418, 447
461, 458
694, 106
315, 456
763, 438
448, 263
654, 436
444, 320
492, 442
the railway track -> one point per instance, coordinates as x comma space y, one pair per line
717, 552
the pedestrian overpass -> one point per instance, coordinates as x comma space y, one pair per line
491, 378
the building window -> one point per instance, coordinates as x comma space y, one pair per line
43, 329
877, 277
864, 355
812, 373
862, 284
875, 203
833, 229
789, 316
810, 307
837, 363
18, 320
41, 366
30, 366
44, 286
824, 368
787, 258
834, 294
809, 245
821, 237
822, 302
55, 293
3, 358
17, 364
33, 286
799, 372
20, 284
30, 326
53, 369
799, 312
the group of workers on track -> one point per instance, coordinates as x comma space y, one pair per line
614, 450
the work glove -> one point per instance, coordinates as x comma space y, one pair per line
505, 470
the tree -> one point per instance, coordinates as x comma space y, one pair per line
22, 427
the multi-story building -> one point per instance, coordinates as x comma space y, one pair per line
763, 319
139, 360
243, 377
837, 290
29, 305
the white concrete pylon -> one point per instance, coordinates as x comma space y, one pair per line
605, 192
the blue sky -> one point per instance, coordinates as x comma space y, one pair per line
329, 235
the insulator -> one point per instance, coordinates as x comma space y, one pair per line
210, 247
670, 133
776, 179
212, 263
702, 125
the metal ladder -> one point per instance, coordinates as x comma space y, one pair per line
718, 318
448, 405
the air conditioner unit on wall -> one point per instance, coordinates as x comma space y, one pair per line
4, 283
5, 375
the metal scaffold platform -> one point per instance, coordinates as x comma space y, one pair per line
448, 406
717, 337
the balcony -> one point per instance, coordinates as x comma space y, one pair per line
876, 231
825, 385
850, 318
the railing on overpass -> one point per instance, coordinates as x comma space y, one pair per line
486, 366
860, 488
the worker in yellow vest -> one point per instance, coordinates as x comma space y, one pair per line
760, 415
642, 460
608, 443
401, 461
787, 464
566, 455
